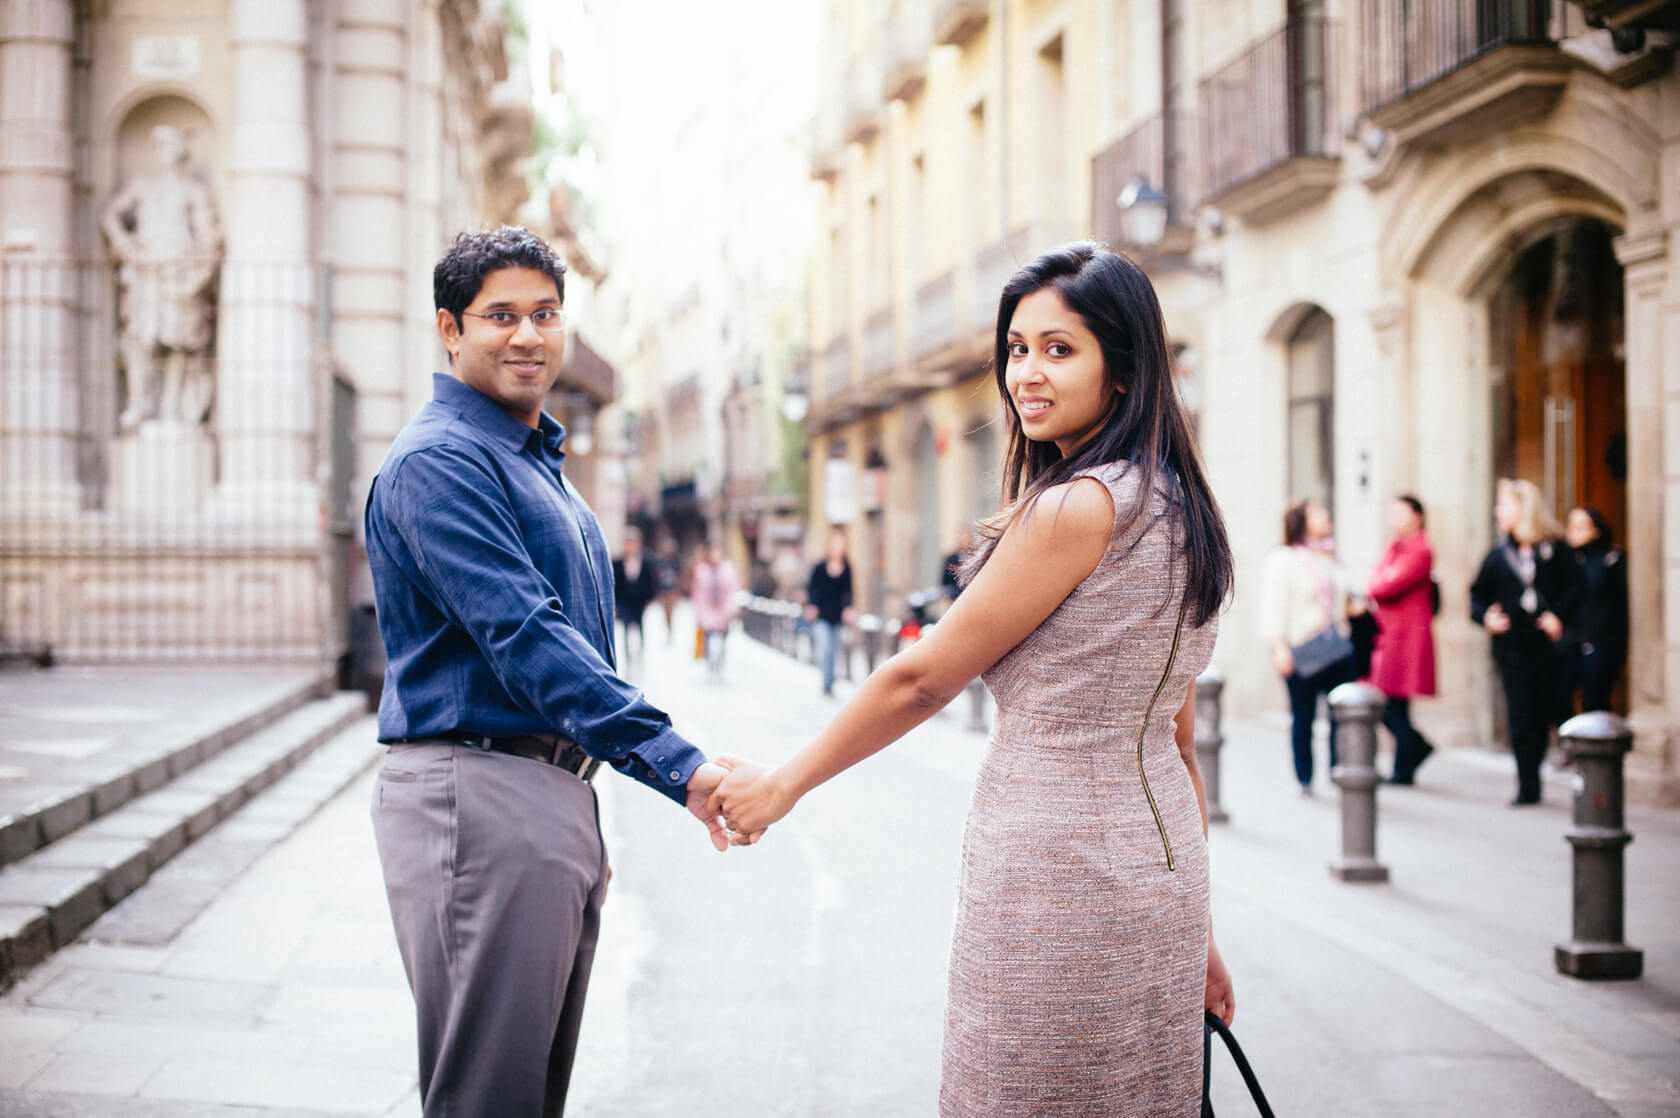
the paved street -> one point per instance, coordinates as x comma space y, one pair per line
805, 977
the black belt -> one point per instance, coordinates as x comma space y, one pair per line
556, 749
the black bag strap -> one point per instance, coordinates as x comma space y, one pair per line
1214, 1025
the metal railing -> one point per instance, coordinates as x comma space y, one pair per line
837, 365
906, 44
1274, 103
1163, 149
1409, 44
936, 314
863, 96
169, 489
878, 344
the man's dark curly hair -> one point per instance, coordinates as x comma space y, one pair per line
459, 275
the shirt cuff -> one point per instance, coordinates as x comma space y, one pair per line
665, 763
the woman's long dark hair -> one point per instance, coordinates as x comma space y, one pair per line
1147, 428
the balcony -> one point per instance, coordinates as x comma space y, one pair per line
828, 147
936, 317
879, 345
1162, 150
863, 99
1269, 136
906, 45
1454, 71
837, 366
996, 263
957, 22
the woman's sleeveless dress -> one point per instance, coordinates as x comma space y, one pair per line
1080, 958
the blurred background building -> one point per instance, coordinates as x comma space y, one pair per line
218, 223
1401, 245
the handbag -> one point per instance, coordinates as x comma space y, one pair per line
1326, 650
1211, 1025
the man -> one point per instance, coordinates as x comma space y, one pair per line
494, 592
828, 603
634, 586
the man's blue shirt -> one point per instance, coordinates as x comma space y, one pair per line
495, 596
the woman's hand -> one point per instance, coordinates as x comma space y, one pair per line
751, 797
1283, 659
1220, 996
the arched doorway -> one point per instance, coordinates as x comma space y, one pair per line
1559, 386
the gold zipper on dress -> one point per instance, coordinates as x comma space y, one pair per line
1172, 658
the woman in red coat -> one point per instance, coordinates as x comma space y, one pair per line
1403, 663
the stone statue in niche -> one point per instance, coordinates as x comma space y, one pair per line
163, 230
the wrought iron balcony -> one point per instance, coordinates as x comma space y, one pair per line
837, 366
956, 22
936, 316
1269, 136
863, 98
1452, 70
827, 145
1163, 151
879, 345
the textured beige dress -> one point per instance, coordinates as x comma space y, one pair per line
1080, 957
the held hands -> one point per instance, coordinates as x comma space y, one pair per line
750, 798
702, 786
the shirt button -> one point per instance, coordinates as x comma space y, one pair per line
675, 775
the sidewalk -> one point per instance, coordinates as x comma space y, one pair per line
805, 977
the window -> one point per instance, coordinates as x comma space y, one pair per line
1311, 433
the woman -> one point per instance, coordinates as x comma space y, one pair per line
1403, 663
1304, 611
1082, 957
828, 603
1600, 633
713, 587
1524, 595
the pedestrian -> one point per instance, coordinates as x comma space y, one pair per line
1403, 662
714, 584
634, 586
1082, 956
1597, 644
1304, 618
951, 579
828, 603
667, 573
1525, 594
494, 595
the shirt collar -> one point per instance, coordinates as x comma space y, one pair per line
489, 417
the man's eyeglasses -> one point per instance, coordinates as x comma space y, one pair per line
546, 319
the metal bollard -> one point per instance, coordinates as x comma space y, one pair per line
869, 629
1597, 742
977, 705
1210, 685
1356, 707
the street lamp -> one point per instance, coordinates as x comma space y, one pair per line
1143, 213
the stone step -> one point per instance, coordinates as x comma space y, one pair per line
48, 897
85, 791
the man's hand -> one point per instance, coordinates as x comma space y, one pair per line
701, 787
1496, 621
1551, 626
751, 798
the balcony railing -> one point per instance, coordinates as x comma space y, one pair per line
906, 46
837, 366
1162, 150
878, 344
1275, 103
955, 22
827, 142
936, 315
1410, 44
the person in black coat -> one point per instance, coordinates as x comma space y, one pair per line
1526, 594
635, 584
1598, 640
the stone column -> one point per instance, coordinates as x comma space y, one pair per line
38, 388
266, 397
368, 226
1653, 495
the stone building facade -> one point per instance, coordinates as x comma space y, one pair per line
338, 146
1407, 246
